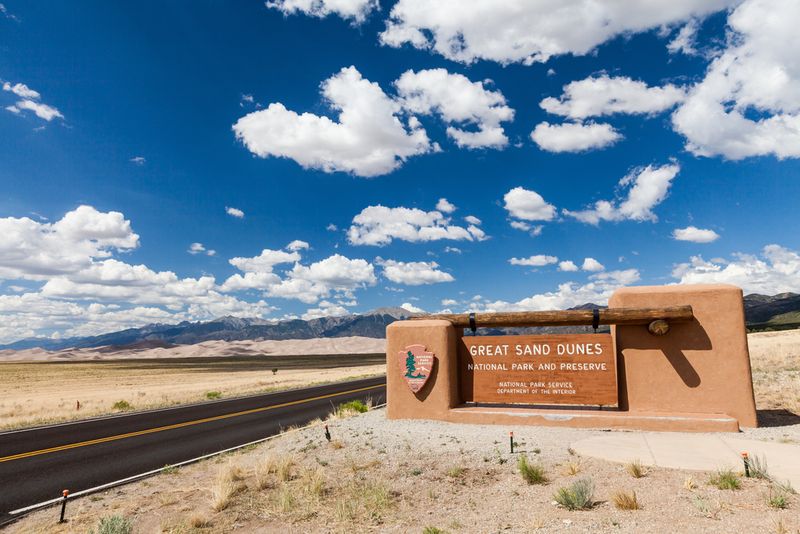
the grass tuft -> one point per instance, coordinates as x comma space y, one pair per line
625, 501
235, 472
531, 473
433, 530
758, 467
689, 483
577, 496
226, 486
212, 395
456, 471
313, 482
725, 479
573, 468
635, 469
122, 405
115, 524
198, 520
778, 497
264, 468
284, 468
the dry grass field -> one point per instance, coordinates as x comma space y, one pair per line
43, 392
775, 362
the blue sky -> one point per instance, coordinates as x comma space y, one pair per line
128, 130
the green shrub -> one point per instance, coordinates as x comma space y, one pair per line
211, 395
169, 469
725, 479
115, 524
779, 496
577, 496
122, 405
531, 473
777, 500
432, 530
353, 407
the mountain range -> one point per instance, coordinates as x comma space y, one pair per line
762, 312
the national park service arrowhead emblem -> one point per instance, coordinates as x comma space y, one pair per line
416, 364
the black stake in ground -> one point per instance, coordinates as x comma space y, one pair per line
327, 433
746, 461
511, 439
65, 493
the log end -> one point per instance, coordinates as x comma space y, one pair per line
659, 327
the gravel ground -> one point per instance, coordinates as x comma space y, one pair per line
402, 476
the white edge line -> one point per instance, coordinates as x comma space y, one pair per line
15, 514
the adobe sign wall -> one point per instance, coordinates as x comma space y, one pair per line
695, 378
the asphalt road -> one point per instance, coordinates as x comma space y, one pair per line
38, 463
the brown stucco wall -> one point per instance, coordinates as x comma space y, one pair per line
440, 393
698, 367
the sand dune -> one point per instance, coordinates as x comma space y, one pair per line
330, 345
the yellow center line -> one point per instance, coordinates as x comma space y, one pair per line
176, 425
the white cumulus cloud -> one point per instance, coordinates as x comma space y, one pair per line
199, 248
574, 136
380, 225
695, 235
355, 10
592, 265
528, 205
325, 309
414, 273
35, 250
457, 100
775, 270
30, 101
748, 103
604, 95
411, 308
529, 31
445, 206
597, 290
539, 260
297, 244
567, 266
234, 212
369, 138
646, 188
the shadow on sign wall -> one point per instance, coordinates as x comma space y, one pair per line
682, 337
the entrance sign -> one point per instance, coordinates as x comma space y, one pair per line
416, 365
676, 360
577, 369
